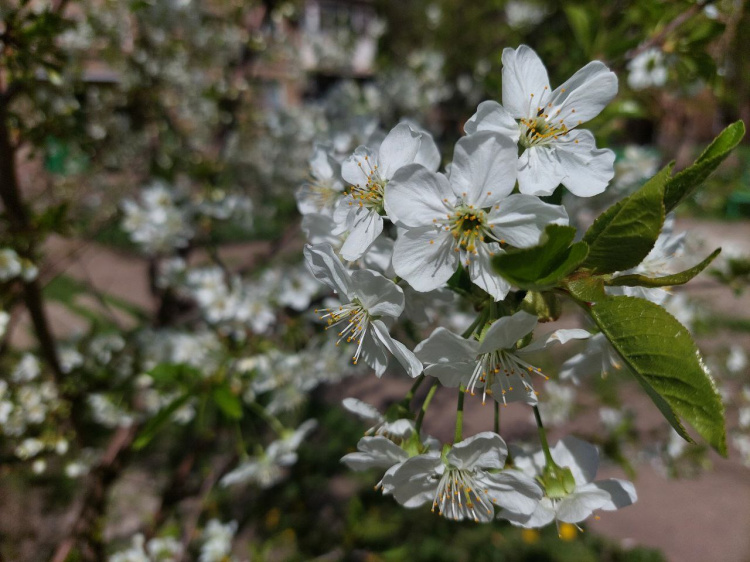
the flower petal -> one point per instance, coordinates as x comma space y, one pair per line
521, 219
364, 227
402, 354
558, 336
580, 504
586, 169
356, 168
580, 457
399, 148
543, 515
415, 196
621, 493
366, 411
515, 492
484, 168
506, 331
525, 82
482, 274
444, 347
412, 482
539, 171
428, 154
491, 116
583, 96
484, 450
326, 267
424, 257
375, 452
378, 295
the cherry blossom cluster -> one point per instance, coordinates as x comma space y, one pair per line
391, 227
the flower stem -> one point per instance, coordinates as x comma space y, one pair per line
410, 395
275, 424
425, 405
459, 434
497, 417
543, 438
478, 324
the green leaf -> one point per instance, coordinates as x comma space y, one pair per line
625, 233
228, 402
542, 266
155, 424
665, 361
684, 183
169, 374
666, 281
585, 288
579, 19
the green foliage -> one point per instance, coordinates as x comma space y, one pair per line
663, 357
227, 401
683, 184
156, 423
665, 281
625, 233
542, 266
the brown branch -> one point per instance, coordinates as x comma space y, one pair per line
87, 529
659, 38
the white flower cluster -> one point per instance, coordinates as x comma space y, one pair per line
163, 220
387, 211
12, 266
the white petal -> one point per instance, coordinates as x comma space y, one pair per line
521, 219
586, 169
375, 452
558, 336
506, 331
428, 155
484, 168
366, 411
621, 493
491, 116
514, 491
415, 196
325, 266
543, 515
365, 228
356, 168
378, 295
482, 274
451, 375
580, 504
322, 165
484, 450
580, 457
525, 82
443, 346
412, 482
425, 257
399, 148
539, 171
583, 96
373, 353
402, 354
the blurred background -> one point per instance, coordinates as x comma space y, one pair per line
150, 151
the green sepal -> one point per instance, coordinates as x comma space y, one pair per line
542, 267
544, 305
664, 359
665, 281
625, 233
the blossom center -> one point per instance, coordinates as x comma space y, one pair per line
541, 129
353, 319
458, 497
500, 366
370, 194
468, 226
